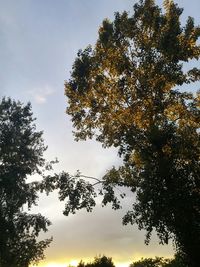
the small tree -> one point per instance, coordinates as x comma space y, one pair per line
124, 91
21, 155
100, 261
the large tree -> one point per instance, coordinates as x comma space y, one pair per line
128, 92
21, 155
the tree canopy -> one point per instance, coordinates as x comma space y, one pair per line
104, 261
128, 91
177, 261
21, 155
149, 262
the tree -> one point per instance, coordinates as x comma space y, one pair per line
128, 92
21, 155
100, 261
149, 262
177, 261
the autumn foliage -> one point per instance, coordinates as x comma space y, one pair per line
128, 91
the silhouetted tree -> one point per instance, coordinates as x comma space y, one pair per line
125, 92
177, 261
100, 261
21, 155
103, 261
149, 262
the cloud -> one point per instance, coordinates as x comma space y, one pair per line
40, 95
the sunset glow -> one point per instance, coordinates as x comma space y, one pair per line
75, 263
54, 265
125, 264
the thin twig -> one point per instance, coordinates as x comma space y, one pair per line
90, 177
97, 183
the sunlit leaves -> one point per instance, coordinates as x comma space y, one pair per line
131, 96
130, 68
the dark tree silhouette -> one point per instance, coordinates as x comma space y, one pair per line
100, 261
21, 155
149, 262
177, 261
103, 261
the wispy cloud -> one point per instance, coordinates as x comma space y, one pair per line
40, 95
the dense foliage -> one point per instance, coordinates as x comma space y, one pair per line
177, 261
104, 261
128, 92
21, 155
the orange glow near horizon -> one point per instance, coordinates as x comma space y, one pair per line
52, 264
74, 263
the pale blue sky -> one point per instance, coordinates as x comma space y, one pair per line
39, 40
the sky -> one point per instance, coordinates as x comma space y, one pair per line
39, 40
